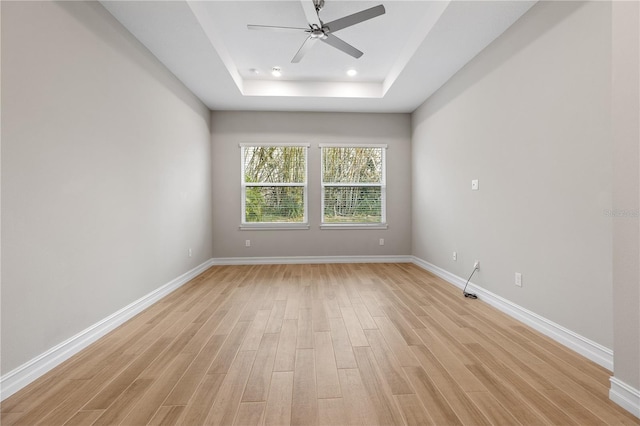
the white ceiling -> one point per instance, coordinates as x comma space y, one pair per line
409, 52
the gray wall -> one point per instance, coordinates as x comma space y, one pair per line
106, 174
231, 128
530, 118
626, 162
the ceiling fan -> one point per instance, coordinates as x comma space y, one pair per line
318, 30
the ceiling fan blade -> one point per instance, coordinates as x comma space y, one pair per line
308, 43
342, 45
311, 13
355, 18
274, 28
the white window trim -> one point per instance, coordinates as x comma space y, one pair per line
382, 185
274, 226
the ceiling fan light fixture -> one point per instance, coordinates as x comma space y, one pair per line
318, 30
276, 72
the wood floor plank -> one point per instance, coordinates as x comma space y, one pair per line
331, 412
379, 393
292, 307
286, 352
575, 410
364, 316
231, 319
82, 418
353, 326
535, 399
151, 401
167, 415
407, 333
599, 406
203, 336
341, 344
257, 388
435, 403
83, 391
304, 405
229, 349
278, 409
464, 408
319, 316
331, 306
492, 409
389, 365
370, 301
304, 338
337, 344
453, 365
117, 411
274, 325
255, 331
30, 395
360, 407
395, 341
44, 406
413, 411
225, 407
188, 383
250, 414
109, 393
199, 405
328, 384
516, 405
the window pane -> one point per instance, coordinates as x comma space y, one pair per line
274, 204
274, 164
352, 204
352, 165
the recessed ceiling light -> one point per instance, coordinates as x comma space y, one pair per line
276, 71
352, 73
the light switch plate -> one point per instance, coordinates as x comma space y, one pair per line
474, 185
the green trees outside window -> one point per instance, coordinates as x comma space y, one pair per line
274, 184
353, 181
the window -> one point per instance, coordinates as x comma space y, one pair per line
274, 185
353, 185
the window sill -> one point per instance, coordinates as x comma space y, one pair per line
273, 226
353, 226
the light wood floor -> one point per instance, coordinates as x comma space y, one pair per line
320, 344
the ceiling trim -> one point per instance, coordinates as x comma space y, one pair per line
287, 88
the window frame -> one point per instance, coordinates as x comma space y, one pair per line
244, 225
383, 188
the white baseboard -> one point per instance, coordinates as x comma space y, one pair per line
20, 377
625, 396
585, 347
286, 260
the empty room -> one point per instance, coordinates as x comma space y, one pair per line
320, 212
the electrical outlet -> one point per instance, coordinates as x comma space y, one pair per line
518, 279
190, 252
381, 241
455, 255
476, 264
247, 243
